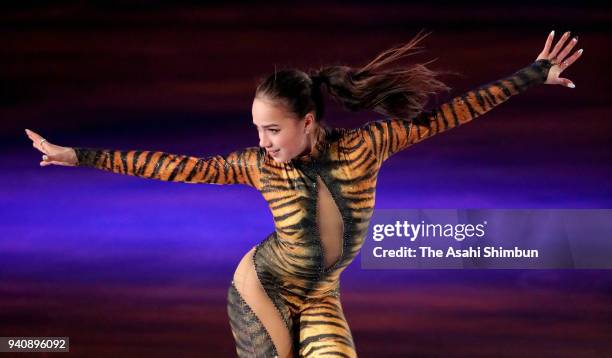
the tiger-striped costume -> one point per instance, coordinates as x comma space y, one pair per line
284, 299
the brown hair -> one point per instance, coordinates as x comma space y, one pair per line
397, 92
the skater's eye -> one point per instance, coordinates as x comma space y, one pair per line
269, 128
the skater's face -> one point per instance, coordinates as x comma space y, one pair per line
281, 134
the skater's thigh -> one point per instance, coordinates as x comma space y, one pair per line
324, 331
250, 289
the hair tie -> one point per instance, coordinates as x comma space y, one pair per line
317, 80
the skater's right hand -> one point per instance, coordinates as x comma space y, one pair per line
53, 154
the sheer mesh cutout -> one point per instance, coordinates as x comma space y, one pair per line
252, 339
248, 286
330, 225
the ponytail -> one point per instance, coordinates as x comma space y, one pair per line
397, 92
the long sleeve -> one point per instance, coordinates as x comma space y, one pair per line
238, 167
386, 137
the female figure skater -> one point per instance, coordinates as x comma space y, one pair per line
319, 182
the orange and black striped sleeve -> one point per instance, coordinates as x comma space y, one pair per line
386, 137
238, 167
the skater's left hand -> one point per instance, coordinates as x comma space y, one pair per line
558, 58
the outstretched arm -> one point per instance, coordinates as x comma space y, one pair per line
238, 167
387, 137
